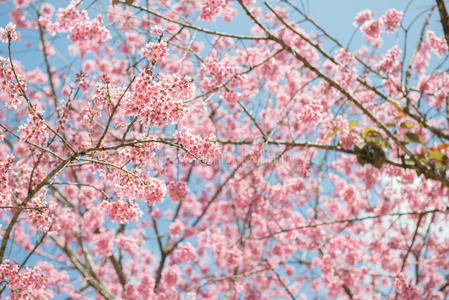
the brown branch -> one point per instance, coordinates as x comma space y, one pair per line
191, 26
30, 195
119, 271
113, 112
30, 105
31, 143
408, 73
47, 62
88, 276
352, 220
404, 261
281, 281
444, 18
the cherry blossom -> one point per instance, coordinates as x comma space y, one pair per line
155, 151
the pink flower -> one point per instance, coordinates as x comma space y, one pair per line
156, 213
392, 20
9, 33
93, 219
437, 45
121, 211
176, 228
127, 243
10, 27
211, 8
178, 191
171, 276
104, 243
156, 30
155, 51
87, 35
362, 17
372, 28
185, 252
23, 284
391, 61
203, 148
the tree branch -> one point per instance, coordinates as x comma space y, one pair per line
444, 19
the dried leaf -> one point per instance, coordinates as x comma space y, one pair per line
443, 146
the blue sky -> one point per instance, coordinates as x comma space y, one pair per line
335, 16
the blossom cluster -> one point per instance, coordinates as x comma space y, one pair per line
372, 28
203, 148
177, 191
23, 284
8, 33
160, 102
211, 8
155, 52
10, 90
217, 71
391, 62
35, 129
133, 186
121, 211
40, 212
87, 35
5, 165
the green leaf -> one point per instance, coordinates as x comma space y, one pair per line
407, 125
413, 137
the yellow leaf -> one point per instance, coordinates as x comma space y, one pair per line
436, 155
370, 131
332, 133
352, 124
407, 125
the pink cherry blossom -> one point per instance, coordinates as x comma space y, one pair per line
372, 28
153, 151
392, 19
363, 16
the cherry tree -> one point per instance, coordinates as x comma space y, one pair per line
143, 156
